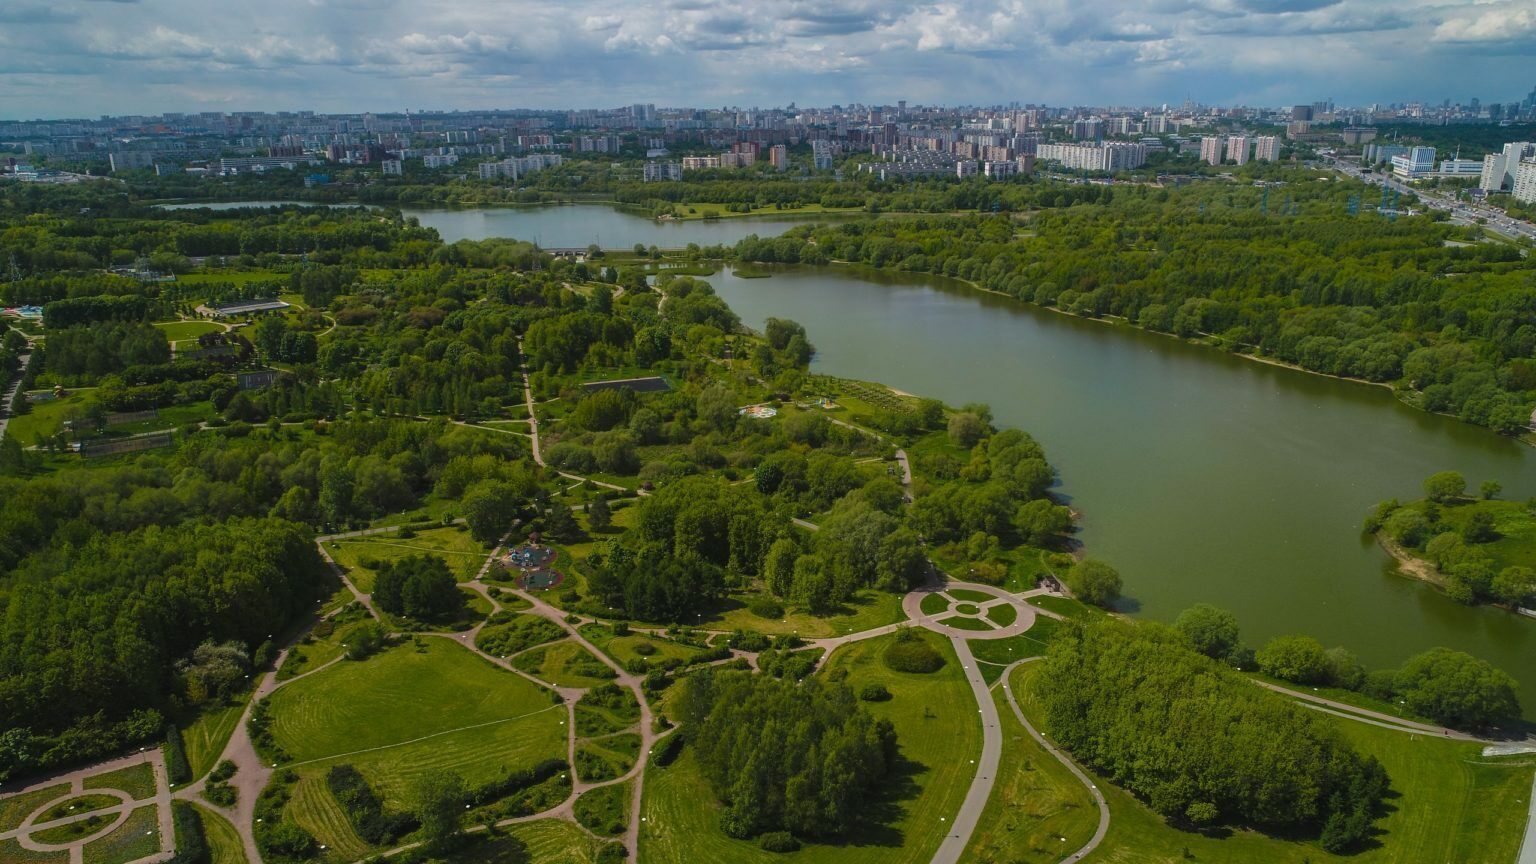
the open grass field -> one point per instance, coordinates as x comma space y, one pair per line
935, 719
206, 736
994, 655
1448, 804
1035, 803
138, 837
452, 544
411, 711
11, 852
547, 841
137, 780
181, 331
868, 610
43, 419
15, 808
316, 810
564, 664
224, 845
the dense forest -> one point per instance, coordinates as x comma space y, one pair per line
1415, 303
1198, 742
785, 757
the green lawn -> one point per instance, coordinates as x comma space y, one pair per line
604, 810
1450, 804
138, 837
11, 852
995, 654
398, 695
412, 711
315, 809
79, 804
547, 841
1003, 614
15, 808
960, 622
935, 719
453, 544
1034, 804
206, 735
179, 331
564, 664
43, 419
223, 841
626, 649
934, 604
968, 595
137, 780
868, 610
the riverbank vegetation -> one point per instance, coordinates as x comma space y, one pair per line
1360, 296
1478, 549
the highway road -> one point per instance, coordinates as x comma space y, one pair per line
1461, 212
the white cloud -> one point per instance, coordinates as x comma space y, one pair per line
157, 54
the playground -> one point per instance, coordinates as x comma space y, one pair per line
532, 562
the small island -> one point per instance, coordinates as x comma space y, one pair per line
1477, 549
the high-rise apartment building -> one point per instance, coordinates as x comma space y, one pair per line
1498, 174
1210, 150
778, 157
1237, 149
1266, 148
1525, 181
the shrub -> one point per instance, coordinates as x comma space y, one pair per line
778, 841
746, 640
667, 750
1295, 658
176, 767
912, 655
191, 842
644, 649
875, 692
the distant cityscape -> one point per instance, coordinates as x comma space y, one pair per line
890, 141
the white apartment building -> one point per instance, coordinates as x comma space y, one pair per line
658, 171
1266, 148
1525, 181
1498, 173
1107, 156
440, 160
966, 168
392, 167
1210, 150
995, 170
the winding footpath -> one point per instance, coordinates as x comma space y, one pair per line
1063, 758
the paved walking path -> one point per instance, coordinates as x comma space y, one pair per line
1377, 718
963, 823
12, 391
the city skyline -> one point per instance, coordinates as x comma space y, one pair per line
95, 57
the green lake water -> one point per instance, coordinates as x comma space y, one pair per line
1201, 476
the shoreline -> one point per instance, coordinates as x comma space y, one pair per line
1527, 438
1409, 565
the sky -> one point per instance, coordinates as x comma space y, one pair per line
83, 58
